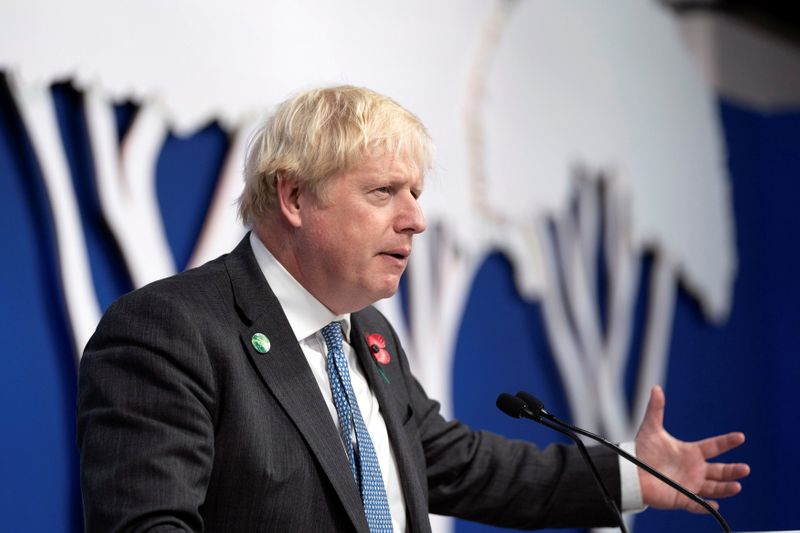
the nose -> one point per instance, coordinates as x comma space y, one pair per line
410, 218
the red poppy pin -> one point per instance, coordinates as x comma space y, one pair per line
377, 346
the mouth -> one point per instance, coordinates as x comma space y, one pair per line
399, 254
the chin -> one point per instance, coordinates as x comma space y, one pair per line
386, 291
364, 298
377, 288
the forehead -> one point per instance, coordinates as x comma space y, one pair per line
386, 167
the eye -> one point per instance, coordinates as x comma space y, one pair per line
382, 191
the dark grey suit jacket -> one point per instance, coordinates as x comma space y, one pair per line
183, 425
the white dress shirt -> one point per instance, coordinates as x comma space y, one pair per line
630, 490
307, 316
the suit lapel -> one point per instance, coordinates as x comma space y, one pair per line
285, 372
390, 396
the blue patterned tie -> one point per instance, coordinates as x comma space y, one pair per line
363, 460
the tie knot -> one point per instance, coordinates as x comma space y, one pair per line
332, 333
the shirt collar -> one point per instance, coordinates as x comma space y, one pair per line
306, 314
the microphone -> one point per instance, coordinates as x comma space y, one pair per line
518, 408
539, 414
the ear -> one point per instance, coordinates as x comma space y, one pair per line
288, 195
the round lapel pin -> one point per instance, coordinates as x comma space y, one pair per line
260, 342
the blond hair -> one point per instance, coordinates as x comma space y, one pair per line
321, 132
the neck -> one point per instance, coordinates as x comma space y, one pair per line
277, 239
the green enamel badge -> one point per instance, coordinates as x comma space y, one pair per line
260, 342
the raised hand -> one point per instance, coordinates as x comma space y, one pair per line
685, 462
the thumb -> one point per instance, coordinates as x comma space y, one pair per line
654, 414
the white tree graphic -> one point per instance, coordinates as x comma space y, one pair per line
125, 179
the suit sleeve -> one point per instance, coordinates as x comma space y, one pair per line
145, 419
481, 476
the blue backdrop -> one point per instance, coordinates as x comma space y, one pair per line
737, 376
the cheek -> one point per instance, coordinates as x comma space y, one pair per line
316, 248
336, 245
355, 230
321, 231
346, 241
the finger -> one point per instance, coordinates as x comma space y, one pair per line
690, 505
719, 489
714, 446
727, 471
693, 507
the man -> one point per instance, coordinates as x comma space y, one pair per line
262, 392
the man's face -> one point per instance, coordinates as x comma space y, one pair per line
354, 240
